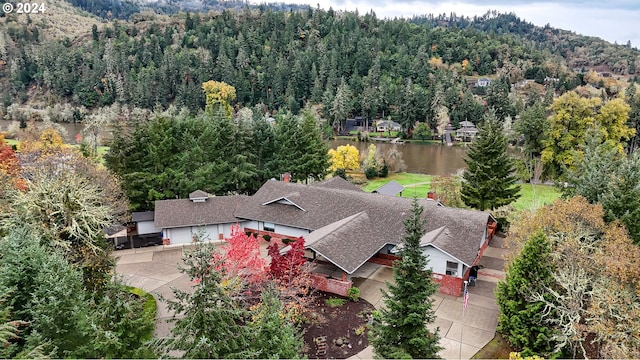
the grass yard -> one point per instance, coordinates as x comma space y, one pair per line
416, 185
535, 196
12, 142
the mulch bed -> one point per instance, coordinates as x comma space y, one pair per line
336, 332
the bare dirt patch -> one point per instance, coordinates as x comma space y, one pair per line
336, 332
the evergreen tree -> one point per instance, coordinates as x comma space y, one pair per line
489, 180
520, 320
401, 330
211, 326
313, 152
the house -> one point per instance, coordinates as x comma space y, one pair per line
467, 131
343, 226
483, 82
201, 216
392, 188
388, 125
358, 124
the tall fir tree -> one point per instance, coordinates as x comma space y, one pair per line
401, 330
489, 180
520, 320
211, 326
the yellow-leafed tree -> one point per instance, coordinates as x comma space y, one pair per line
219, 95
344, 157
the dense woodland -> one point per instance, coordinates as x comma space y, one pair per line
352, 64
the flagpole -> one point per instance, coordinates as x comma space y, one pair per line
464, 303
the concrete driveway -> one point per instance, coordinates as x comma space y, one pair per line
155, 269
460, 337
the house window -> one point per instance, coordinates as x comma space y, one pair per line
269, 227
452, 268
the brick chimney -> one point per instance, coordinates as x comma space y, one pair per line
432, 195
286, 177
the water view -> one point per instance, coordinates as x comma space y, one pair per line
431, 159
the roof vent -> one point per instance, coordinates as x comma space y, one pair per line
198, 196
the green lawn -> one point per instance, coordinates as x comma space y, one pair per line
417, 185
11, 142
535, 196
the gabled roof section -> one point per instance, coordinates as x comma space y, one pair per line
185, 212
338, 183
392, 188
292, 199
346, 243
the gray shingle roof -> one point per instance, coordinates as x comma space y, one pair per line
337, 182
184, 212
142, 216
361, 236
392, 188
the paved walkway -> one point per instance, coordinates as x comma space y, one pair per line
155, 269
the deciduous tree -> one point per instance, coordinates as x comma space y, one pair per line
345, 157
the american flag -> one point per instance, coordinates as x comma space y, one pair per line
466, 298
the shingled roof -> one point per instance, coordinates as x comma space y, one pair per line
392, 188
142, 216
184, 212
379, 221
337, 182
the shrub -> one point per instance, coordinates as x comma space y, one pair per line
353, 294
341, 173
371, 172
335, 302
266, 238
287, 241
384, 170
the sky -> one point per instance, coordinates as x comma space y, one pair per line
611, 20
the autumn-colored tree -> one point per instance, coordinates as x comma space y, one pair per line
219, 96
240, 258
594, 280
345, 157
447, 188
291, 273
572, 117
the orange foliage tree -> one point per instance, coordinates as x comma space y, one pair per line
240, 258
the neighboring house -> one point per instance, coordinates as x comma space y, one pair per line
201, 216
482, 82
392, 188
388, 125
467, 131
358, 124
341, 224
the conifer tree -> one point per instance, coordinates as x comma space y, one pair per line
489, 180
211, 327
400, 331
520, 320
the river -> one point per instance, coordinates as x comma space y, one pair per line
431, 159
